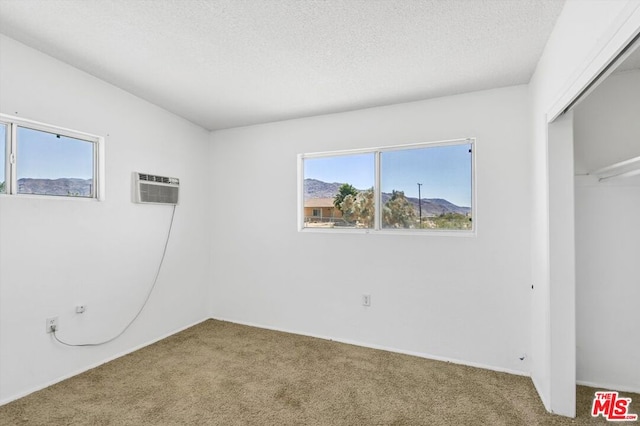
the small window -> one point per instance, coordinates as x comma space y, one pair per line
418, 187
46, 160
52, 164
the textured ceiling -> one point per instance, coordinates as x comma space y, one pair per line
229, 63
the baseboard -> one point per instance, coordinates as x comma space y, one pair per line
608, 386
381, 347
97, 364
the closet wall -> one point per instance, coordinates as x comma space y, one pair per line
607, 131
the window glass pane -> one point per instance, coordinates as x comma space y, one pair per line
427, 188
338, 191
51, 164
3, 163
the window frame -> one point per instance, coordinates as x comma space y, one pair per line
11, 182
7, 157
377, 228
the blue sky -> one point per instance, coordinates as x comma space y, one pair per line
47, 156
358, 170
443, 171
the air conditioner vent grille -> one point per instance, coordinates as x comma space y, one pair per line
161, 179
155, 189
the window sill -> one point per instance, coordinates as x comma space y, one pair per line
48, 197
407, 232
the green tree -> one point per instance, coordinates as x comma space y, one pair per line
398, 212
359, 208
1, 187
366, 208
344, 191
348, 208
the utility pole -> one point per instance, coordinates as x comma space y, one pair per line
419, 206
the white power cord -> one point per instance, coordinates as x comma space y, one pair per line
155, 281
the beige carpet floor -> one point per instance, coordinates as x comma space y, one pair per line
219, 373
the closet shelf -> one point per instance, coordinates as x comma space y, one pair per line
623, 169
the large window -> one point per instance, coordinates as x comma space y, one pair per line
418, 187
45, 160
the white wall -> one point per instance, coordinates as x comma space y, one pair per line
607, 129
608, 237
458, 298
56, 253
582, 29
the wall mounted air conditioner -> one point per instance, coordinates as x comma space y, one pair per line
152, 189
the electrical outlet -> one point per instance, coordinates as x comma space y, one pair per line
366, 300
52, 323
80, 309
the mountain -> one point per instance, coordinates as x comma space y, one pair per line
435, 206
62, 186
314, 188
